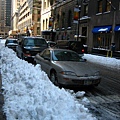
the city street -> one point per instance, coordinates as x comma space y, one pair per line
54, 83
105, 98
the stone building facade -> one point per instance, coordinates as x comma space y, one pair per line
99, 23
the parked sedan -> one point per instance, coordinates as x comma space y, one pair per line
11, 43
67, 68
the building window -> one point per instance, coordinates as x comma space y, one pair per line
63, 20
46, 23
84, 31
85, 10
38, 19
38, 12
43, 24
48, 3
57, 21
44, 5
102, 40
100, 6
38, 30
108, 6
69, 18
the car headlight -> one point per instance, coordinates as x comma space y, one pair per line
68, 73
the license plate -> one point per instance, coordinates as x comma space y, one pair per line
87, 82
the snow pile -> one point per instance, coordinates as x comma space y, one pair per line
105, 61
29, 94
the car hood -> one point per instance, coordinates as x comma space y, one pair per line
80, 68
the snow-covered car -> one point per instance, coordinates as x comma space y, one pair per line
66, 68
11, 43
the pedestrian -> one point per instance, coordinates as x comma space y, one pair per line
112, 48
28, 32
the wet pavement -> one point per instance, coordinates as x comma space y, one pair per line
2, 116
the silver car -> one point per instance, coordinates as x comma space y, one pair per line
66, 68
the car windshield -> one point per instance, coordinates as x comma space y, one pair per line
34, 42
66, 56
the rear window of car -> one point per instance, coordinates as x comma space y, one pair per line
75, 44
11, 41
34, 42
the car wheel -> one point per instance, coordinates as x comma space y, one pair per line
53, 78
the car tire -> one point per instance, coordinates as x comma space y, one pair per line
53, 78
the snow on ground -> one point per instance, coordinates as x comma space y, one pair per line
29, 94
105, 61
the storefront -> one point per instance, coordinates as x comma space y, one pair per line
102, 37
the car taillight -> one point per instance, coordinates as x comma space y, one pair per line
27, 54
83, 50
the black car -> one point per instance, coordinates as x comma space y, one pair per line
11, 43
29, 46
51, 43
76, 46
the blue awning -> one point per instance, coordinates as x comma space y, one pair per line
117, 28
101, 29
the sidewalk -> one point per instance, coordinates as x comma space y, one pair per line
2, 117
104, 52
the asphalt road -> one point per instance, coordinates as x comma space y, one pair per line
105, 98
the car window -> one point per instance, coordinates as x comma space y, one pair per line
75, 45
34, 42
66, 56
11, 41
46, 54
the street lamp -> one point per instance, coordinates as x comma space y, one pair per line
77, 11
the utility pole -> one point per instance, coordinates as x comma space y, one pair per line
114, 15
79, 6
